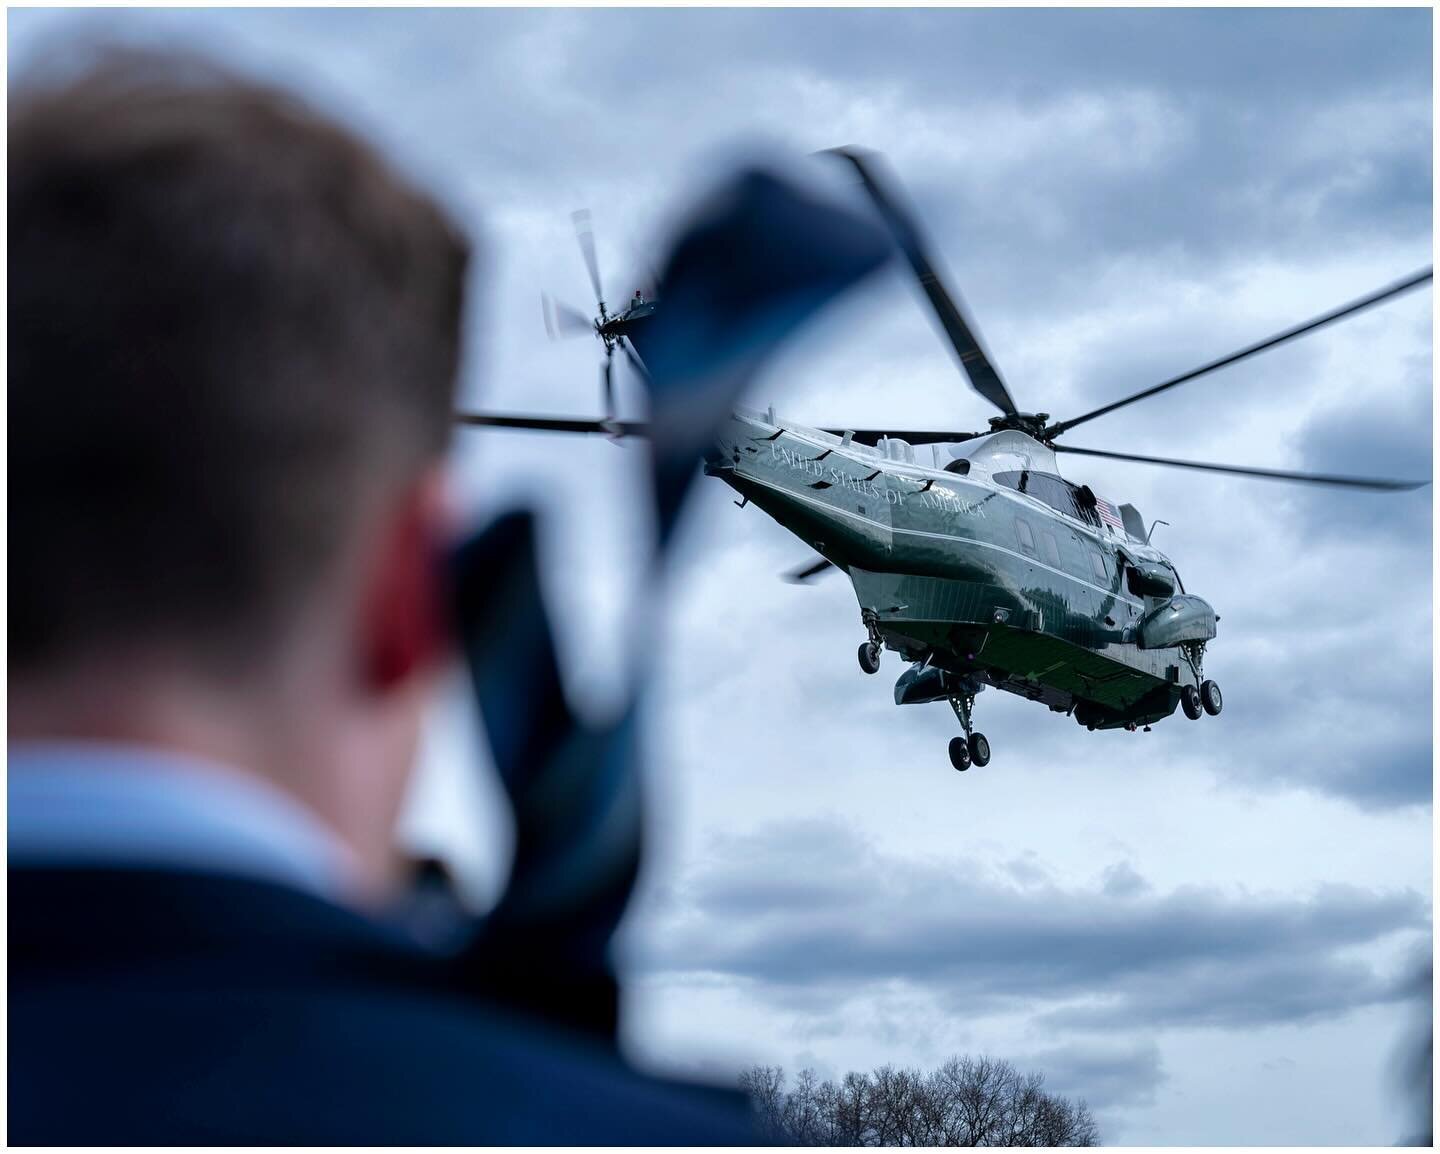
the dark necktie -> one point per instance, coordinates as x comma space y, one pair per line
755, 262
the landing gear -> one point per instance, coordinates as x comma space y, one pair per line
979, 750
960, 753
1207, 697
1210, 698
869, 652
973, 748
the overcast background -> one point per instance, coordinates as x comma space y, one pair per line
1205, 930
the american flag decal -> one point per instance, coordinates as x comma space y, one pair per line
1108, 514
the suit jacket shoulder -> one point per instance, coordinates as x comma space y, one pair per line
159, 1007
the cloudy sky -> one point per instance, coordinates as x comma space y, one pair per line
1205, 930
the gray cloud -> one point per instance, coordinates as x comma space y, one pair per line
1106, 1076
1121, 881
812, 913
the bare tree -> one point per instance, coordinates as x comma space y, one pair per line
765, 1086
967, 1101
852, 1111
988, 1099
803, 1115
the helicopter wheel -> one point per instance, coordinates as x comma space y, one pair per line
869, 654
979, 750
1190, 702
1210, 698
960, 754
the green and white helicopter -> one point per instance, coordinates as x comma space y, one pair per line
970, 555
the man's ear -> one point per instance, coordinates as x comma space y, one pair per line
404, 607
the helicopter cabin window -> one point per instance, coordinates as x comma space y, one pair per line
1026, 536
959, 465
1048, 549
1097, 565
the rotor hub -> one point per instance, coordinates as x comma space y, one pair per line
1031, 424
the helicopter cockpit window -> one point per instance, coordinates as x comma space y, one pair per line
1025, 535
1055, 491
1083, 501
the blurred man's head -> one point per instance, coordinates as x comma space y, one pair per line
234, 337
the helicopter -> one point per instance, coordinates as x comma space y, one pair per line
970, 555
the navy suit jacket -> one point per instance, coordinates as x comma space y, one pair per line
163, 1007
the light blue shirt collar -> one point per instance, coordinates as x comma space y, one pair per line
101, 804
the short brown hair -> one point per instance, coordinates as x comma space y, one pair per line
229, 321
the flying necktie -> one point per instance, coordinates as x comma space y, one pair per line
758, 258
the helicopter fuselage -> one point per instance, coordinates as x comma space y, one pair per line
981, 566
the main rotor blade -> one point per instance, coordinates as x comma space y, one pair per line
586, 236
1379, 484
634, 358
607, 383
563, 321
913, 436
554, 424
804, 574
1415, 280
964, 337
568, 321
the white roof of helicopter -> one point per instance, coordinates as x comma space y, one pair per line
995, 452
1005, 450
